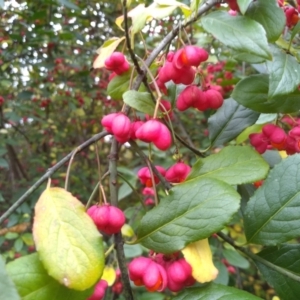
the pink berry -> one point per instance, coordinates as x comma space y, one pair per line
121, 128
259, 141
214, 98
155, 132
107, 121
117, 63
145, 176
99, 291
189, 56
189, 97
178, 172
108, 219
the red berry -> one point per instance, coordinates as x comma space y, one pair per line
99, 291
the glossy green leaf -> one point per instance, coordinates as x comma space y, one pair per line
238, 32
233, 164
63, 232
252, 92
287, 258
229, 121
7, 287
193, 211
214, 291
235, 259
272, 215
118, 86
140, 101
33, 282
243, 5
284, 73
269, 15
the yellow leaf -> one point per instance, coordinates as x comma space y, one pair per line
283, 154
127, 231
106, 50
199, 256
109, 275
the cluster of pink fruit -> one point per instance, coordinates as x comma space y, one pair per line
108, 219
123, 130
175, 174
273, 136
181, 67
160, 271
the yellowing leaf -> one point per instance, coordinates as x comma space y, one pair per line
106, 50
127, 231
68, 243
109, 275
199, 256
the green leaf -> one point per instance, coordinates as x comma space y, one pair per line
243, 5
7, 287
68, 4
3, 163
284, 73
223, 276
140, 101
295, 30
235, 259
272, 214
287, 257
214, 291
193, 211
252, 92
233, 164
118, 86
229, 121
18, 244
238, 32
33, 282
63, 232
269, 15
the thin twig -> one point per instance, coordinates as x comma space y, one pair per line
128, 44
258, 258
136, 148
69, 168
113, 157
50, 171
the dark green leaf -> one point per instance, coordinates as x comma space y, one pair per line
118, 86
287, 258
233, 164
284, 73
269, 15
7, 288
214, 291
193, 211
235, 259
33, 282
139, 101
252, 92
272, 215
229, 121
238, 32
